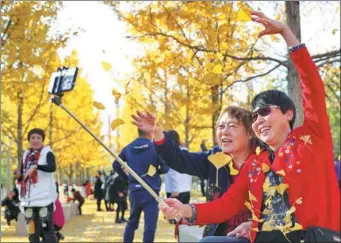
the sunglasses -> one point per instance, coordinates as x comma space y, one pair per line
262, 111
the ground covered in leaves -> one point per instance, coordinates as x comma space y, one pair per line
94, 226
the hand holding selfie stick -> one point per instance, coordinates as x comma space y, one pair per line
64, 80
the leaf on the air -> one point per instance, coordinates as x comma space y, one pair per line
106, 66
219, 159
115, 123
117, 95
99, 105
255, 229
244, 12
233, 171
151, 171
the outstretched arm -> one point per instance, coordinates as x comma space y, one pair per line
313, 92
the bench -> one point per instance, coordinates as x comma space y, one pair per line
70, 210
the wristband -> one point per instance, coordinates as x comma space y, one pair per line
194, 214
294, 48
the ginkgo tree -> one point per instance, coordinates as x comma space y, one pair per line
194, 52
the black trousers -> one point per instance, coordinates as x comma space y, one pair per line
183, 197
39, 222
80, 207
99, 203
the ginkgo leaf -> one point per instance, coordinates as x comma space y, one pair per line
248, 205
218, 69
258, 150
115, 123
266, 211
266, 185
99, 105
252, 197
254, 217
219, 159
233, 171
106, 66
151, 171
280, 172
297, 226
117, 95
299, 201
281, 188
244, 13
291, 210
265, 167
255, 229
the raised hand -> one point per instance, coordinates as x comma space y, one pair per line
271, 26
144, 121
147, 123
274, 27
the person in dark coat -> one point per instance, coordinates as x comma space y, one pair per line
141, 156
119, 193
98, 192
11, 202
78, 197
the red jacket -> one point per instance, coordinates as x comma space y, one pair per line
305, 160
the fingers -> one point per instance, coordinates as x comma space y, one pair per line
151, 116
136, 118
141, 114
259, 14
263, 32
233, 232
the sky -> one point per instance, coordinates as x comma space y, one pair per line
103, 39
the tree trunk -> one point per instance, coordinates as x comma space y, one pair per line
20, 149
292, 9
215, 110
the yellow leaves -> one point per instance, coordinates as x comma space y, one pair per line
218, 69
258, 150
297, 226
299, 201
248, 205
291, 210
98, 105
233, 171
115, 123
254, 218
254, 229
107, 66
265, 167
219, 159
281, 188
306, 139
244, 12
280, 172
151, 171
117, 95
252, 197
266, 185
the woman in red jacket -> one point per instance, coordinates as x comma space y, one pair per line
290, 187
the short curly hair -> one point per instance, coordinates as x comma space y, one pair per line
36, 131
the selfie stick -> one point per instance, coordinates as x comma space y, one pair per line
56, 99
